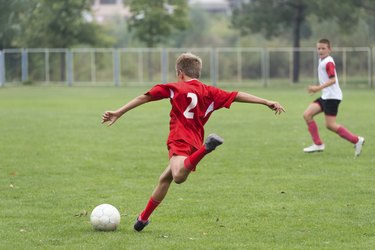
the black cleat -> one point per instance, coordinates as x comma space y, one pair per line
139, 225
213, 141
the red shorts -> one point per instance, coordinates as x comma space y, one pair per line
180, 148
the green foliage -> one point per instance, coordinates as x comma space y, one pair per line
345, 13
10, 26
268, 17
274, 17
154, 21
195, 31
117, 28
256, 191
205, 30
60, 24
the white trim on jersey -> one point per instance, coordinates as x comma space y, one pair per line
171, 95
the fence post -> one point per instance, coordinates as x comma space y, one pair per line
344, 66
371, 68
239, 65
93, 65
140, 66
164, 66
213, 67
46, 62
2, 69
24, 65
315, 60
116, 67
69, 67
265, 67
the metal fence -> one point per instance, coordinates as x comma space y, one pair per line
143, 66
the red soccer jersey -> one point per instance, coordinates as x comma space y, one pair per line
192, 105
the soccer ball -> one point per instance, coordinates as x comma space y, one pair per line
105, 217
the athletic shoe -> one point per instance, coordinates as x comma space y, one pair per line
314, 148
139, 225
358, 146
213, 141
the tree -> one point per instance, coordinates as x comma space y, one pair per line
10, 26
153, 21
276, 17
195, 32
60, 24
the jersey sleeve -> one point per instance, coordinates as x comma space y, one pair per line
159, 91
222, 98
330, 68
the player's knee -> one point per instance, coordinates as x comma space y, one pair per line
306, 116
178, 179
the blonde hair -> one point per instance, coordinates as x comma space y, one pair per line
189, 64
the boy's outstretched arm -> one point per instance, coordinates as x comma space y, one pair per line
248, 98
112, 116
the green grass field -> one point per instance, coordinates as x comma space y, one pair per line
257, 191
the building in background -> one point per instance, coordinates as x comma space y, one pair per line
213, 6
105, 10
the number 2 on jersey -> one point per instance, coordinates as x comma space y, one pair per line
194, 101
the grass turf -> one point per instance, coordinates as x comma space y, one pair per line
256, 191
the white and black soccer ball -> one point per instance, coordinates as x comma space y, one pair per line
105, 217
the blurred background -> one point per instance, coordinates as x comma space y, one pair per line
136, 42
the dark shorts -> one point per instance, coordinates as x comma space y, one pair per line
329, 106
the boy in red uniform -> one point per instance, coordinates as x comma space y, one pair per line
192, 105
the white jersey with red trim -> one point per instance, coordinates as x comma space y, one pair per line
327, 70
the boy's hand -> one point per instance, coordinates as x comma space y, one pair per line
109, 116
275, 106
312, 89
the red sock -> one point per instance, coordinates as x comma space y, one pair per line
150, 207
346, 134
191, 162
313, 129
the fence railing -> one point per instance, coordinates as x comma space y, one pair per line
144, 66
